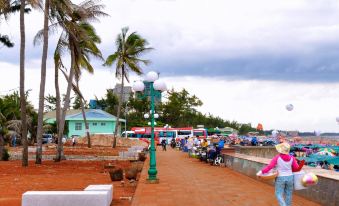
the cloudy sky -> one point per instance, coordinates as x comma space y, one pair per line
244, 59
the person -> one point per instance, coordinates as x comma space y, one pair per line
14, 140
204, 143
163, 144
254, 141
173, 143
189, 145
285, 163
73, 141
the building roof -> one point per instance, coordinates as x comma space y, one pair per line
91, 114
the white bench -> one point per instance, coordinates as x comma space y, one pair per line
66, 198
108, 188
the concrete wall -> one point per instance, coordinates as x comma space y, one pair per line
326, 192
95, 127
264, 151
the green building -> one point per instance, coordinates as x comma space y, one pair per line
100, 122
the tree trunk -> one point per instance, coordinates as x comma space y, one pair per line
42, 86
84, 115
22, 86
66, 104
58, 111
86, 124
119, 107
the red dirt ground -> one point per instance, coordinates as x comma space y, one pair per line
65, 175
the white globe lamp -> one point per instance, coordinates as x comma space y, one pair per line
160, 85
146, 116
151, 76
138, 86
156, 116
149, 123
155, 123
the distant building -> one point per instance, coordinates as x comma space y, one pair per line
127, 92
100, 122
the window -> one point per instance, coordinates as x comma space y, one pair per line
183, 132
78, 126
103, 124
94, 124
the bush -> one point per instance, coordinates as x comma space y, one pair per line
5, 155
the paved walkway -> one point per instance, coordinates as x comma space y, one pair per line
187, 181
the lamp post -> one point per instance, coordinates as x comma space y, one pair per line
154, 84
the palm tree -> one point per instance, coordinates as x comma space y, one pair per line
42, 85
22, 86
129, 48
87, 48
73, 36
33, 3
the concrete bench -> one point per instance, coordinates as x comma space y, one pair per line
108, 188
66, 198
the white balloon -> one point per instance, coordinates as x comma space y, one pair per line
289, 107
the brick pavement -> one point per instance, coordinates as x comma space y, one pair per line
187, 181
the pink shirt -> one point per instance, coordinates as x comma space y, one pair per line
285, 157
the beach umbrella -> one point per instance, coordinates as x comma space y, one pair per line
334, 161
325, 153
289, 107
327, 150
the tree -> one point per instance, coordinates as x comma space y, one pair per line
8, 7
126, 57
109, 102
73, 36
22, 85
42, 85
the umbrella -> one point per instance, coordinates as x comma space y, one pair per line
334, 161
325, 153
329, 150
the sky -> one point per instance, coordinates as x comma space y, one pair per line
246, 60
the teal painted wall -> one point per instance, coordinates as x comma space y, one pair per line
108, 128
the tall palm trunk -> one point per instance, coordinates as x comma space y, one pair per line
119, 106
22, 86
84, 115
66, 103
58, 110
42, 86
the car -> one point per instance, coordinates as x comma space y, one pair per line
47, 138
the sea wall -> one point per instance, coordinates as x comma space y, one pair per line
326, 192
257, 151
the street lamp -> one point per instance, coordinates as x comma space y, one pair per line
155, 84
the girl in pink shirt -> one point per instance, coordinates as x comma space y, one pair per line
284, 164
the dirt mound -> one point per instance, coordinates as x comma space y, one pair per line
107, 140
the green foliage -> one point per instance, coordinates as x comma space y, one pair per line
10, 113
5, 155
109, 102
77, 103
179, 111
246, 128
